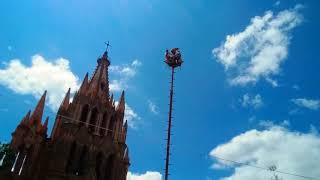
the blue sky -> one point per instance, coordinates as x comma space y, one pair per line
213, 104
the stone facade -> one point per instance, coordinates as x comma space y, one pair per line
88, 139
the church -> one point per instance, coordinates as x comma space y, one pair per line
88, 139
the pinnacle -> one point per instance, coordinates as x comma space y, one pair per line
65, 102
37, 113
84, 85
45, 125
26, 117
121, 105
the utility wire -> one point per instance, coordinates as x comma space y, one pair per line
266, 169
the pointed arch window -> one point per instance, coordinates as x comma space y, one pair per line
111, 127
104, 124
84, 114
93, 119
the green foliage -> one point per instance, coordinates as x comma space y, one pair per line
9, 154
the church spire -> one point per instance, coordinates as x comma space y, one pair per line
99, 84
121, 105
27, 117
65, 102
45, 125
84, 86
38, 111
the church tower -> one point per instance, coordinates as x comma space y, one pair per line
88, 139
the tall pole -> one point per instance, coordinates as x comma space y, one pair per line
169, 125
173, 59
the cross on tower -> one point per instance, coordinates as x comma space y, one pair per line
106, 52
108, 44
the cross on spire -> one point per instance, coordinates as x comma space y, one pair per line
108, 45
106, 52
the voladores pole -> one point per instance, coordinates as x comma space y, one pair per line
173, 59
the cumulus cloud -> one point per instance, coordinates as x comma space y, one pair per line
270, 124
307, 103
289, 151
56, 77
251, 101
123, 73
149, 175
130, 115
153, 107
41, 75
258, 51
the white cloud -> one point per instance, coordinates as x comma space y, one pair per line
127, 70
130, 115
123, 73
136, 63
270, 124
149, 175
251, 101
289, 151
307, 103
153, 107
260, 49
117, 85
56, 77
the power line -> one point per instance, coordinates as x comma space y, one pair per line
266, 169
93, 125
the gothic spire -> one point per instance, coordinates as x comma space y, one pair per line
121, 105
99, 84
124, 131
65, 102
43, 128
38, 111
45, 125
26, 117
84, 86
